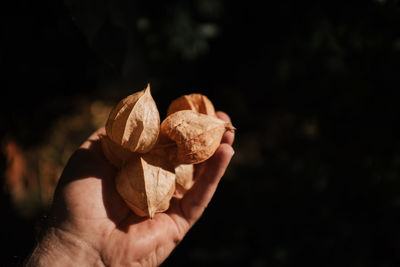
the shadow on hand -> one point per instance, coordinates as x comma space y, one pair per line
89, 163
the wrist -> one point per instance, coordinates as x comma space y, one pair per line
61, 248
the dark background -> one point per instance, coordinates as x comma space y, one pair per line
311, 88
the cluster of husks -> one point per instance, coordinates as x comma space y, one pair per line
156, 159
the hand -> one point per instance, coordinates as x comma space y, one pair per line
92, 226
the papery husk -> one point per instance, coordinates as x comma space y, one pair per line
146, 183
184, 173
134, 123
195, 102
184, 177
113, 152
196, 135
166, 147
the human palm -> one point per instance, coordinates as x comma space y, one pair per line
88, 209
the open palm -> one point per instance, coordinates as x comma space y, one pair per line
88, 208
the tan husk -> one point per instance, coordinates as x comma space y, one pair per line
134, 123
146, 183
196, 135
184, 177
154, 160
167, 148
195, 102
114, 153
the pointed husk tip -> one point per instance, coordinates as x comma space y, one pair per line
230, 127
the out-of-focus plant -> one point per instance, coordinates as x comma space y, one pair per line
32, 174
127, 34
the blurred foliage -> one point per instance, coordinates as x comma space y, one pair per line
310, 86
32, 173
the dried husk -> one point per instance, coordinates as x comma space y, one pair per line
146, 183
197, 136
195, 102
153, 161
134, 123
113, 152
184, 173
166, 147
184, 177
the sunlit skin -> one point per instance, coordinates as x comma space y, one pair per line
90, 225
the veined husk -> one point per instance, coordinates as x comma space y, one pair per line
199, 103
146, 183
154, 160
197, 136
195, 102
184, 173
134, 123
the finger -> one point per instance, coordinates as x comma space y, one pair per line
223, 116
94, 137
229, 136
197, 198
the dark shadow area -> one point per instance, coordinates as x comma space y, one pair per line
17, 232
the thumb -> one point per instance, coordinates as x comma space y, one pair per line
197, 198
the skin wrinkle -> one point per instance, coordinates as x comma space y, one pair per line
105, 233
151, 259
103, 261
64, 235
180, 220
148, 242
182, 226
103, 253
